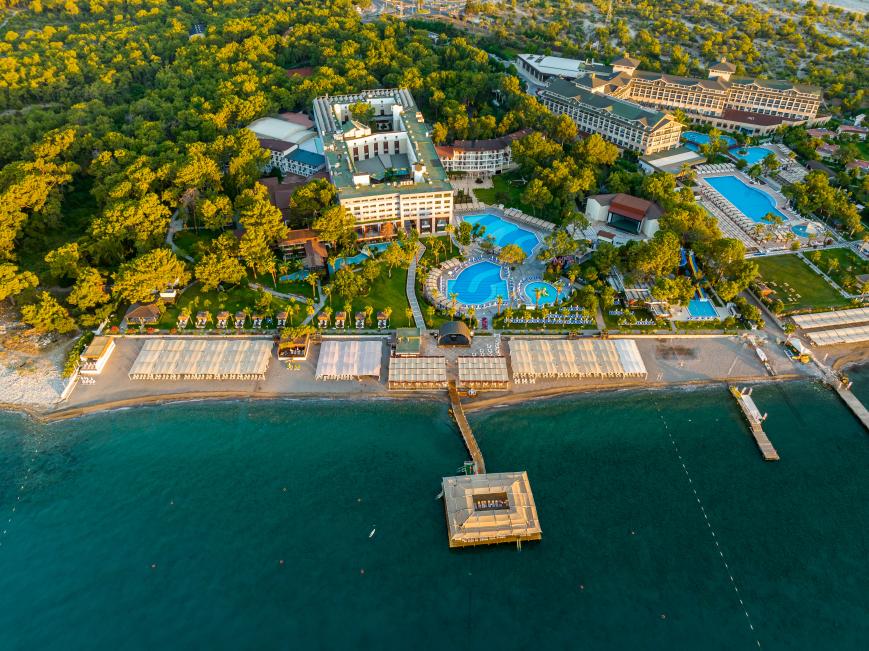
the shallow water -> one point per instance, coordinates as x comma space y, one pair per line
166, 526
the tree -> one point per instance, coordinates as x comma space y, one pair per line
755, 172
437, 248
63, 261
146, 275
596, 151
310, 200
215, 269
214, 213
370, 270
395, 256
676, 291
335, 225
770, 162
347, 284
89, 290
464, 233
258, 217
258, 256
563, 129
537, 195
361, 112
47, 315
512, 254
13, 282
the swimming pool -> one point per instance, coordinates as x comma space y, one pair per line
359, 258
377, 247
751, 202
548, 292
752, 155
701, 309
805, 230
696, 138
479, 283
504, 232
296, 275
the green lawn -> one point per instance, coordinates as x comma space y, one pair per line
232, 300
194, 243
385, 292
850, 266
509, 194
796, 285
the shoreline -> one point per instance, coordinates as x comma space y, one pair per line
488, 400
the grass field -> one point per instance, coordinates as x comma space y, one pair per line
850, 265
510, 194
385, 292
796, 285
194, 243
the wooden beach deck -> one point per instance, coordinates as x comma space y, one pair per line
458, 413
752, 414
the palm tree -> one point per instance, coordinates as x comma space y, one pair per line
310, 308
328, 312
500, 300
538, 291
449, 229
409, 314
453, 298
368, 312
312, 281
293, 311
508, 313
348, 308
452, 311
327, 290
437, 247
387, 312
472, 314
430, 312
559, 286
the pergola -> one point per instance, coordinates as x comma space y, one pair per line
576, 358
349, 360
417, 373
191, 359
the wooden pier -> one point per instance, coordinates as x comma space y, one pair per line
458, 413
853, 403
752, 414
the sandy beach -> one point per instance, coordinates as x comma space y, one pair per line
670, 362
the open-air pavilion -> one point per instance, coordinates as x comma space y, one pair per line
480, 373
576, 358
353, 359
198, 359
417, 373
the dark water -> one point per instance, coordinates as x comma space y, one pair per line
215, 496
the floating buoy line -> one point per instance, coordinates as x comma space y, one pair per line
22, 486
708, 526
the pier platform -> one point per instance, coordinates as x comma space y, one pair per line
458, 413
489, 509
754, 417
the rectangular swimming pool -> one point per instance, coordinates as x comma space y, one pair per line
751, 202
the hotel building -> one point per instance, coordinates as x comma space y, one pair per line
484, 157
625, 124
292, 143
387, 172
724, 100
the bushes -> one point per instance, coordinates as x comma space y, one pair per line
72, 357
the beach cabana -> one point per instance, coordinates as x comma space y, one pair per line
222, 319
417, 373
576, 358
483, 373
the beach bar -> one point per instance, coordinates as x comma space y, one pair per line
191, 359
94, 358
489, 509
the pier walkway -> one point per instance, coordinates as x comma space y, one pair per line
853, 402
465, 428
752, 413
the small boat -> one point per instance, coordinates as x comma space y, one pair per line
371, 535
439, 495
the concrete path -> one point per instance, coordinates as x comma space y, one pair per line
175, 225
410, 288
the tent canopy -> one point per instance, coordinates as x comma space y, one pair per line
347, 360
454, 333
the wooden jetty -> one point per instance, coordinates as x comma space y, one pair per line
853, 403
752, 413
458, 413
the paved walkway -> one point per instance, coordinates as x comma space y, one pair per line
410, 288
175, 225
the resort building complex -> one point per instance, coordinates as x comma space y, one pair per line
626, 124
386, 169
292, 142
722, 99
485, 157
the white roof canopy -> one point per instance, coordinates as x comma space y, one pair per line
577, 358
347, 360
197, 359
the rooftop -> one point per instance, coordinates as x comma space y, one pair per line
490, 508
620, 108
340, 162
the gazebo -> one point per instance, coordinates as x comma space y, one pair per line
454, 333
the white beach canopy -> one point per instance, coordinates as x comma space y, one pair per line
190, 359
576, 358
349, 360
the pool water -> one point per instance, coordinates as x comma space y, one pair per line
504, 232
479, 283
547, 296
751, 202
378, 247
296, 275
701, 309
359, 258
751, 155
696, 138
804, 230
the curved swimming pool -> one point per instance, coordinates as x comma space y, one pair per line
479, 283
504, 232
695, 139
751, 155
751, 202
548, 292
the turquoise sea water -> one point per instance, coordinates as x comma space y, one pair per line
627, 558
